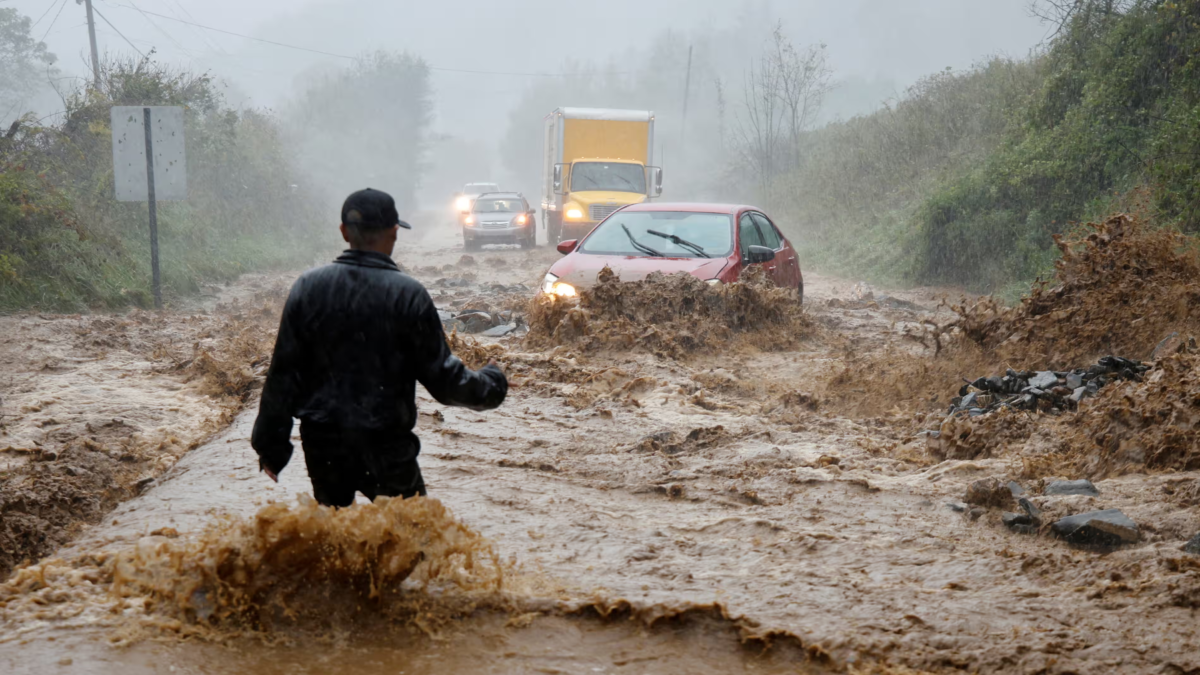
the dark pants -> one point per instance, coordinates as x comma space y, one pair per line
341, 462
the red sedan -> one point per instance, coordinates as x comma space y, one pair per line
713, 242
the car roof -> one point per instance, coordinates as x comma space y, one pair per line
691, 207
502, 195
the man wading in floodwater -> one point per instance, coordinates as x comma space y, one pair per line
355, 337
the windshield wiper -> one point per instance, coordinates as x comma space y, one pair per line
678, 241
639, 245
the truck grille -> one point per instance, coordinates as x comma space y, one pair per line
602, 211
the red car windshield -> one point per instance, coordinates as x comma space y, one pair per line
712, 232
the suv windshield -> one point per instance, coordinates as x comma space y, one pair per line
607, 176
713, 232
498, 205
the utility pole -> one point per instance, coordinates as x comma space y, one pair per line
687, 85
92, 37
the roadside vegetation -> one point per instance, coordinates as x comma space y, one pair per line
967, 177
257, 197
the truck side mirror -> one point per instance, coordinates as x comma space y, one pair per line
655, 175
558, 179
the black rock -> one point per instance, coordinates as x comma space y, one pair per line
1100, 529
960, 508
1072, 487
1044, 380
499, 331
476, 322
1031, 510
1193, 546
1018, 522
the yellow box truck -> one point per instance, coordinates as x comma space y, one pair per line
595, 161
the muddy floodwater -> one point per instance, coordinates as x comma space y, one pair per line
622, 512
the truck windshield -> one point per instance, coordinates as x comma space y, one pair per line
713, 232
480, 188
612, 177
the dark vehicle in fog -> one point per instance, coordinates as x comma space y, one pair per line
713, 242
499, 218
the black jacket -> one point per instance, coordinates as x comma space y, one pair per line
355, 337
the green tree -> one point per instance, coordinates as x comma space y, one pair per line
24, 62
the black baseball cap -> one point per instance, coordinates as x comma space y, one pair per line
372, 209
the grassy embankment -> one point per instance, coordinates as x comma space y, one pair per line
965, 178
67, 245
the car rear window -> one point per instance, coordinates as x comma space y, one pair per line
710, 231
498, 205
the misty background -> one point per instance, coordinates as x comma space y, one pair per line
535, 55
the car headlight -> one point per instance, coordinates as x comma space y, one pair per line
574, 214
552, 286
713, 282
463, 203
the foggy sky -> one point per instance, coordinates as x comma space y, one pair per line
882, 40
876, 47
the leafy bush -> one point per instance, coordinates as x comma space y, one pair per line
66, 244
1117, 108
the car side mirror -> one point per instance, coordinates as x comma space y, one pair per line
759, 254
567, 246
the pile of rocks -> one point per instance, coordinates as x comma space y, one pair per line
482, 322
1042, 391
1105, 530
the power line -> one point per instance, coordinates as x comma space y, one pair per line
60, 10
353, 58
110, 25
35, 23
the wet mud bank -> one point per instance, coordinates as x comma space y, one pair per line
94, 408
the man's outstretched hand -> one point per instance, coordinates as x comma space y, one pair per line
270, 474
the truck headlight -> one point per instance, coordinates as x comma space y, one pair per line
574, 214
463, 203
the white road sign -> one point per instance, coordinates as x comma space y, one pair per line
129, 153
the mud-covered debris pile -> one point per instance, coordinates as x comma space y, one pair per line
1051, 392
1119, 287
309, 562
1152, 424
671, 315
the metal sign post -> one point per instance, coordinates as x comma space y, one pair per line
149, 165
153, 203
